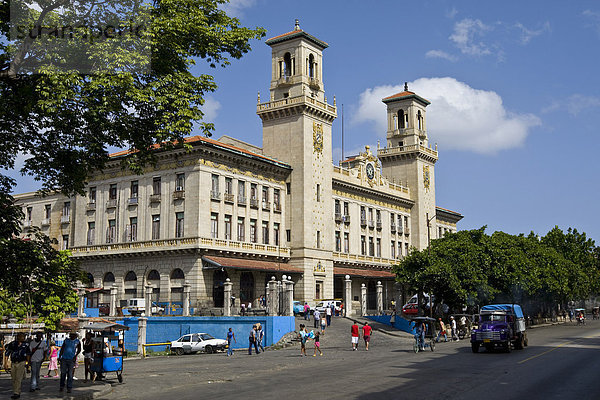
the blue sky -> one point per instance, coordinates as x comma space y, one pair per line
514, 86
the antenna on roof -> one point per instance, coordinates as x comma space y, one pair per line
297, 25
405, 85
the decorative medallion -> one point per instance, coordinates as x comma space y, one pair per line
370, 169
319, 267
318, 137
426, 179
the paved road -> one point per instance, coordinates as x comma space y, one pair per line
561, 362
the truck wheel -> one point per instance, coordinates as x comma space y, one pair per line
179, 351
475, 347
208, 349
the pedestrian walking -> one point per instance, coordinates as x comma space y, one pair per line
367, 330
252, 341
260, 335
317, 318
341, 313
317, 344
571, 315
421, 329
442, 331
453, 325
303, 334
87, 356
306, 311
53, 364
243, 309
323, 324
68, 356
38, 350
332, 308
355, 336
230, 337
18, 351
328, 315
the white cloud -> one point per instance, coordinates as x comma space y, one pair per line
580, 102
452, 13
440, 54
210, 109
235, 8
466, 37
459, 117
594, 18
528, 34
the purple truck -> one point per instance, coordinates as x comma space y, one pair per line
501, 326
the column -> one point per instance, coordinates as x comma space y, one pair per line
272, 304
398, 297
81, 302
142, 323
113, 301
379, 298
227, 288
148, 308
363, 299
348, 296
289, 301
186, 299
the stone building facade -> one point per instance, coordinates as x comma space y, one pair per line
229, 209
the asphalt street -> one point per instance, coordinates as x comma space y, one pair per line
561, 362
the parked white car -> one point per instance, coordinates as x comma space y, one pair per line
197, 342
322, 305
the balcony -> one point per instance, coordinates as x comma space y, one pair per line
91, 206
400, 229
46, 222
254, 203
229, 198
347, 218
277, 207
393, 228
406, 230
179, 195
112, 203
241, 201
65, 219
371, 224
132, 201
266, 205
379, 225
155, 198
214, 195
363, 222
338, 217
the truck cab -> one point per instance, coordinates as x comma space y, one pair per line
500, 326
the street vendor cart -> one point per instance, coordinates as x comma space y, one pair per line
107, 348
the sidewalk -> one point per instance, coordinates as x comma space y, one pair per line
49, 388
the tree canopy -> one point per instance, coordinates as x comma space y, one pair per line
472, 268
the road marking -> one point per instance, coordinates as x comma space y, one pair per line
557, 347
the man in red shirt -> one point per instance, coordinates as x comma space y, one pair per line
355, 336
367, 334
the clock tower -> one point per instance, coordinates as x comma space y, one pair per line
409, 159
297, 130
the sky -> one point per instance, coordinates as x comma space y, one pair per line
514, 90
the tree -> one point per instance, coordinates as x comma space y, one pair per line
66, 96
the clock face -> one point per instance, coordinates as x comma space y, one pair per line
370, 171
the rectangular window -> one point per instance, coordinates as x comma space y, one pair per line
337, 208
91, 234
346, 208
111, 231
132, 229
29, 213
47, 211
370, 215
134, 189
288, 235
66, 209
276, 199
288, 187
242, 190
92, 195
399, 223
399, 249
253, 191
229, 185
179, 224
276, 234
406, 249
241, 230
214, 225
227, 227
180, 182
378, 248
363, 213
371, 246
363, 245
393, 250
65, 242
265, 194
346, 242
215, 186
155, 227
405, 223
318, 239
338, 241
265, 232
112, 192
318, 192
253, 230
378, 216
156, 185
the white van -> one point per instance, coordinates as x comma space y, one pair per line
138, 306
322, 305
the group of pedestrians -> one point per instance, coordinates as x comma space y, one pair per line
355, 335
28, 356
255, 339
305, 336
444, 330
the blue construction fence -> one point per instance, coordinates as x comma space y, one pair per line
168, 329
400, 323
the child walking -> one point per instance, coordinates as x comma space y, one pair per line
53, 365
317, 344
323, 324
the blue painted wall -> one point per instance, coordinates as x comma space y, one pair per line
401, 324
167, 329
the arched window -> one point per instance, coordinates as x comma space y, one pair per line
219, 277
177, 273
177, 279
246, 287
287, 61
153, 275
311, 66
90, 280
130, 276
108, 278
130, 285
419, 120
154, 281
401, 124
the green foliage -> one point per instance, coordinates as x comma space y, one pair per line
471, 267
